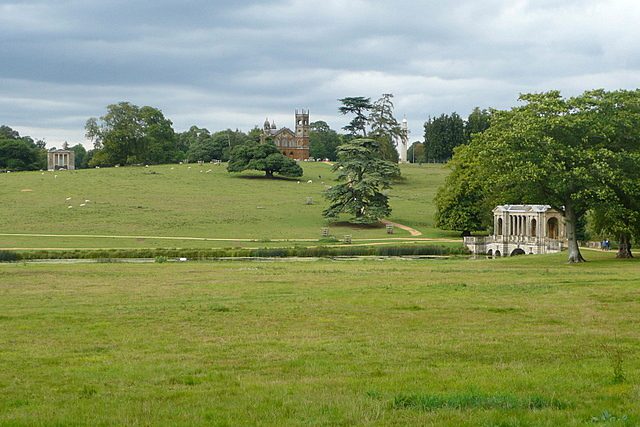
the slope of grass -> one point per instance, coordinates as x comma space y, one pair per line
511, 342
189, 201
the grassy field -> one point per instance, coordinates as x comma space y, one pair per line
188, 201
525, 341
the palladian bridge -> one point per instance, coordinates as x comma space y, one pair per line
521, 229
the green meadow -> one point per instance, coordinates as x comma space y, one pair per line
157, 206
526, 341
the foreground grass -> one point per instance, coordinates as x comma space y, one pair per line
189, 201
521, 341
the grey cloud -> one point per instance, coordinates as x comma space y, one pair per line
228, 64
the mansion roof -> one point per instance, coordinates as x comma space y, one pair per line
274, 132
523, 208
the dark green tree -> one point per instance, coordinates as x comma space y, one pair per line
477, 122
262, 157
363, 176
7, 133
415, 153
19, 153
185, 140
254, 134
323, 141
463, 203
384, 127
360, 107
129, 134
80, 154
568, 153
441, 136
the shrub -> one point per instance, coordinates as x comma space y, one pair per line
8, 256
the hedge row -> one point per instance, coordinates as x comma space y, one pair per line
318, 251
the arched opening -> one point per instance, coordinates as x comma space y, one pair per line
518, 251
499, 227
534, 226
291, 153
498, 253
552, 228
490, 252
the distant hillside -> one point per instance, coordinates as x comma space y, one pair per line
191, 201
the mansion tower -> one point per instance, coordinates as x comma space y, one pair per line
294, 145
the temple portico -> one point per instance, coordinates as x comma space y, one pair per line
61, 159
521, 229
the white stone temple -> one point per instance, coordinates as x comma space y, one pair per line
61, 159
521, 229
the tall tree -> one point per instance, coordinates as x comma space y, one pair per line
561, 152
360, 107
128, 134
463, 203
384, 127
185, 140
363, 176
441, 136
415, 153
477, 122
323, 141
19, 153
80, 155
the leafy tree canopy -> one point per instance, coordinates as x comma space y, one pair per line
263, 157
323, 141
363, 176
128, 134
20, 153
574, 154
360, 107
375, 121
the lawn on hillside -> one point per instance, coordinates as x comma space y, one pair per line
512, 342
197, 201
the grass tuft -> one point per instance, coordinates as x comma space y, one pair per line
473, 400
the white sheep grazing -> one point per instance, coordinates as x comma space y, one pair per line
87, 200
69, 207
309, 182
83, 204
68, 198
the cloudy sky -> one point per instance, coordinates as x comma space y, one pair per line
230, 64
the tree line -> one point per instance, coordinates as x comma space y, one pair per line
444, 133
128, 134
581, 155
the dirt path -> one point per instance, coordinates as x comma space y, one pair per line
372, 241
411, 231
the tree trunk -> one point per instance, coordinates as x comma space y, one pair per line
570, 222
624, 249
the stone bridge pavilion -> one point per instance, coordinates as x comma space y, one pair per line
521, 229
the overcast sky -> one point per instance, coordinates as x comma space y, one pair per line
230, 64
